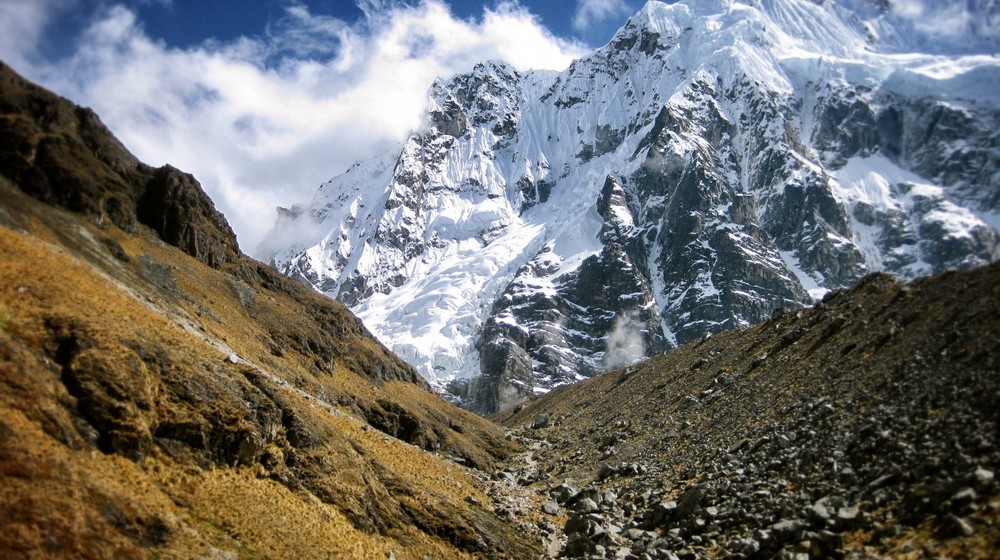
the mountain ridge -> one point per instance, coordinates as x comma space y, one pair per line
760, 167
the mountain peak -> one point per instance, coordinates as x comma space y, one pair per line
668, 20
714, 162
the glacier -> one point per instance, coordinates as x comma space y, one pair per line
715, 161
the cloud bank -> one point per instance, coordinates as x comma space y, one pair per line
262, 121
976, 21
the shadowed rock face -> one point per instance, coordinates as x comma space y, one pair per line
601, 315
63, 155
173, 204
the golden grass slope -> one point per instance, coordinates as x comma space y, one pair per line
153, 406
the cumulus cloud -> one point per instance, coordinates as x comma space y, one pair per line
22, 23
591, 12
908, 8
263, 120
934, 18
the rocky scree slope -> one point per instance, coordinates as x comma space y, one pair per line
715, 160
162, 395
867, 426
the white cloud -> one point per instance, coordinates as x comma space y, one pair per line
592, 12
262, 121
967, 25
22, 24
908, 8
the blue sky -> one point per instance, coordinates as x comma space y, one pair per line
186, 22
265, 100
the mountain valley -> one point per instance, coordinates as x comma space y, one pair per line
757, 318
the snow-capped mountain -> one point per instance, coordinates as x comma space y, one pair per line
716, 160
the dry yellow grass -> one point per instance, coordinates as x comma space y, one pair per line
163, 395
94, 362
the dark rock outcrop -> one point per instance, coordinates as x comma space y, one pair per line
173, 204
64, 155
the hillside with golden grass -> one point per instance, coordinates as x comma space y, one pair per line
162, 395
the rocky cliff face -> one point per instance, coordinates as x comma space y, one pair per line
63, 155
712, 163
